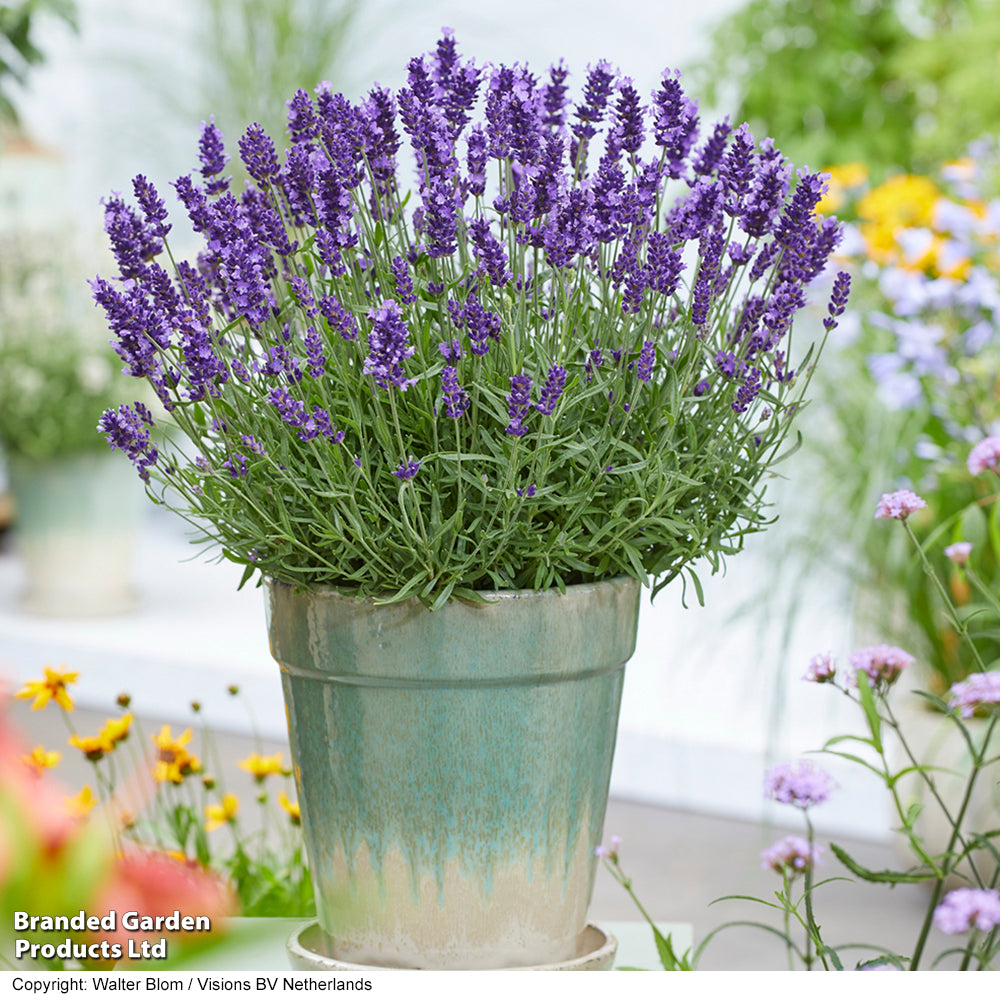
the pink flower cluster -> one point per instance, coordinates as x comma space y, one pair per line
882, 663
985, 455
976, 691
964, 909
791, 855
822, 668
899, 505
801, 784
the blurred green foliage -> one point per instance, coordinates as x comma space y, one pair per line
895, 84
18, 51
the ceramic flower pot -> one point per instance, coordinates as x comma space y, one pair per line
75, 530
453, 767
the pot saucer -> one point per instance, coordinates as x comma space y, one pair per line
307, 950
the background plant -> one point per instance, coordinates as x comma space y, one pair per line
892, 85
918, 375
171, 792
18, 52
57, 373
555, 377
971, 911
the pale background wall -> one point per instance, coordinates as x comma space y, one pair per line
710, 700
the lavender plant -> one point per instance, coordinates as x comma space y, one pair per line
565, 356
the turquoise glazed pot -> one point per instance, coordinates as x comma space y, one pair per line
453, 767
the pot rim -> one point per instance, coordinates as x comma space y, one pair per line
490, 596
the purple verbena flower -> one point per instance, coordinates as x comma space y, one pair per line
791, 856
900, 505
985, 455
801, 784
976, 691
963, 910
822, 669
882, 663
958, 552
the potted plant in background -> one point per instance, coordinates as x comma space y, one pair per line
76, 507
453, 432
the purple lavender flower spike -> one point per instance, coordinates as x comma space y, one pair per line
213, 156
645, 362
127, 429
338, 317
314, 353
555, 382
403, 281
258, 154
388, 347
476, 161
664, 264
737, 170
407, 469
456, 399
554, 96
518, 404
801, 784
628, 130
838, 299
303, 124
451, 350
747, 392
594, 361
153, 209
710, 156
491, 255
767, 192
132, 242
526, 491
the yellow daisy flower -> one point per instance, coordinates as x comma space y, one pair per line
117, 730
292, 808
174, 762
260, 767
223, 813
82, 803
93, 747
51, 688
41, 759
